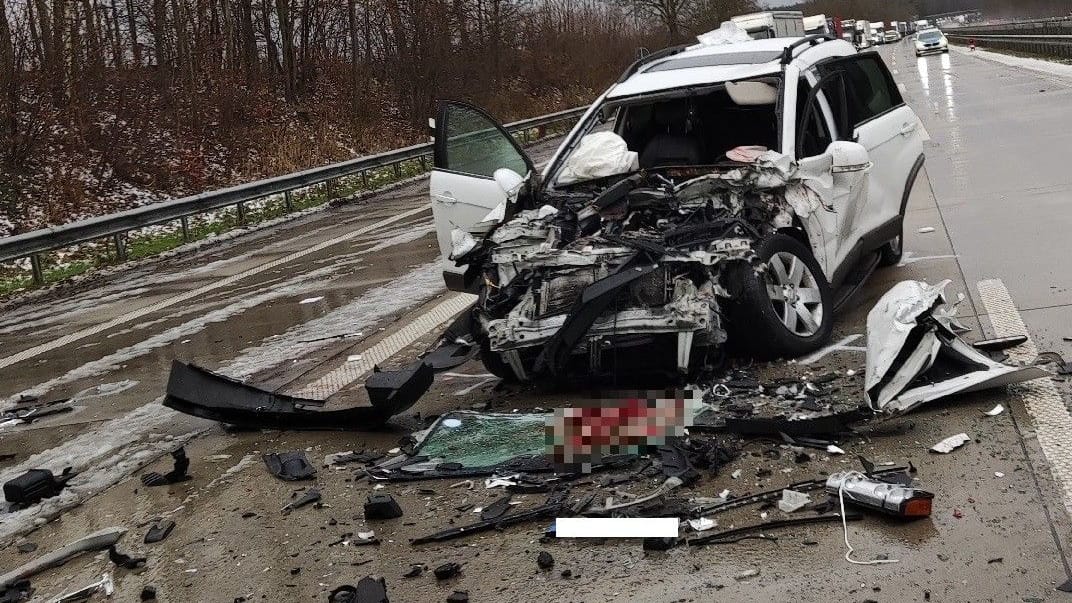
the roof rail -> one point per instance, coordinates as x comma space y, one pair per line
659, 54
812, 40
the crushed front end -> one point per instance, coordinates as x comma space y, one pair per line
624, 275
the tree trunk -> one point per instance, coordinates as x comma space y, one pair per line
248, 41
9, 125
286, 31
132, 31
160, 45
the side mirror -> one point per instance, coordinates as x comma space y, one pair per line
848, 157
509, 181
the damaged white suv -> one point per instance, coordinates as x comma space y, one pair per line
730, 192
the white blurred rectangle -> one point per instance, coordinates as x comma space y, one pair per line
616, 527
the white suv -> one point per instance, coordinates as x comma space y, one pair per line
723, 192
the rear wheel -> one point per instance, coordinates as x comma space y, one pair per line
785, 309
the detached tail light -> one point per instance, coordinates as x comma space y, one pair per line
892, 499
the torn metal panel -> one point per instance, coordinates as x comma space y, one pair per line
203, 393
914, 356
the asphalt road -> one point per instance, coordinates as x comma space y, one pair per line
993, 190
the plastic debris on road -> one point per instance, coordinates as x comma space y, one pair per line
951, 443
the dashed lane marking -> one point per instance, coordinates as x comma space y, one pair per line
1053, 423
201, 291
348, 372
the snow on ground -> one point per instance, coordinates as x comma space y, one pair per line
108, 453
1041, 65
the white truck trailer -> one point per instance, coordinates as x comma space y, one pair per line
772, 24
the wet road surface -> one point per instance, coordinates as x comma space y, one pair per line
992, 189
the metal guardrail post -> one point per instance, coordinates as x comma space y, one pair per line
398, 170
288, 201
241, 213
185, 229
35, 266
120, 246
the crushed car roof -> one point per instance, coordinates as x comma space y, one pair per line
706, 64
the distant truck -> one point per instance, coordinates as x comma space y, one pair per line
817, 24
863, 34
848, 30
922, 23
878, 29
772, 24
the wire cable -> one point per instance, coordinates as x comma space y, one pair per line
845, 527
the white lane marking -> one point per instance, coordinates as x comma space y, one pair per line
1044, 403
200, 291
348, 372
468, 376
841, 346
909, 259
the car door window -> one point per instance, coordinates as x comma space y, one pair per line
470, 142
870, 89
813, 132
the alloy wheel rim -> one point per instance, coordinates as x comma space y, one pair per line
794, 293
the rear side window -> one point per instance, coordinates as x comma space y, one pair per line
870, 89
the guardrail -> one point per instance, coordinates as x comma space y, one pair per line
1043, 37
116, 226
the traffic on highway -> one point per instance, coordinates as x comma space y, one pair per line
781, 316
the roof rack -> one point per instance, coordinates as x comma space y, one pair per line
812, 40
659, 54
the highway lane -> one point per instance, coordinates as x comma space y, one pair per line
1018, 518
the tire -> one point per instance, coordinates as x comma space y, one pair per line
497, 365
890, 254
760, 325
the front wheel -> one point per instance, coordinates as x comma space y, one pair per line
891, 253
785, 308
497, 365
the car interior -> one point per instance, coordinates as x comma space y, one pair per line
699, 129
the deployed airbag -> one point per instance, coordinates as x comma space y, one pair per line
599, 155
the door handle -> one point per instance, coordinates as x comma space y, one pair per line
445, 198
907, 129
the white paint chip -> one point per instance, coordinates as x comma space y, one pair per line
834, 450
311, 300
926, 229
951, 443
997, 410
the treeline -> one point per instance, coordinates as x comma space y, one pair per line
106, 103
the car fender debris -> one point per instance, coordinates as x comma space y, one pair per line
951, 443
380, 506
123, 560
177, 474
914, 356
158, 531
447, 570
34, 486
289, 466
96, 541
300, 499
